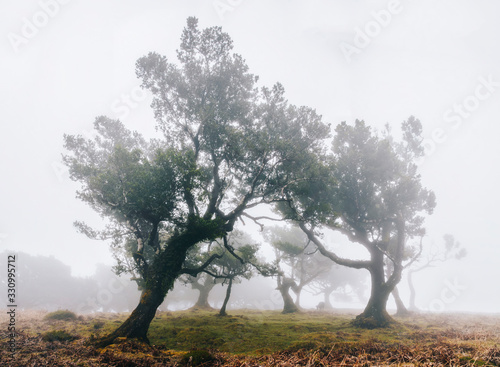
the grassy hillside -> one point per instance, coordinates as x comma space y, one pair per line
260, 338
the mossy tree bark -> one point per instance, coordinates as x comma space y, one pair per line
159, 279
375, 314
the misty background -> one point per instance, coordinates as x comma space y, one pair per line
65, 62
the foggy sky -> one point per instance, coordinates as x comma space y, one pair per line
65, 62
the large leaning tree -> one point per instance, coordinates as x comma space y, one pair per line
228, 147
375, 198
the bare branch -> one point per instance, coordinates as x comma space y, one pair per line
357, 264
417, 256
231, 250
194, 272
232, 216
256, 219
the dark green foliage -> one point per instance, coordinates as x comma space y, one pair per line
369, 322
98, 325
375, 198
228, 146
198, 357
61, 315
58, 335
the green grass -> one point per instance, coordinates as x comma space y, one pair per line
253, 332
256, 333
302, 338
244, 331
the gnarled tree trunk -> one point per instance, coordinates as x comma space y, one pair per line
298, 291
159, 279
204, 289
401, 309
284, 288
375, 313
222, 311
326, 296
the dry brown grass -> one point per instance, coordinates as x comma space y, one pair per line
426, 340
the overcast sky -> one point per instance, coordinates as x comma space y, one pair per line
65, 62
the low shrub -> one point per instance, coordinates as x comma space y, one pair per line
98, 325
197, 357
58, 335
61, 315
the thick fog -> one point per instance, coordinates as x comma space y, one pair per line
63, 63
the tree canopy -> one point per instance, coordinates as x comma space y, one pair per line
374, 196
228, 146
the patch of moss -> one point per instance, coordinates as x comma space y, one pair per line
197, 357
98, 325
472, 362
58, 335
64, 315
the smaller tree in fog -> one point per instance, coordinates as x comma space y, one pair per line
238, 261
203, 283
304, 264
340, 283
